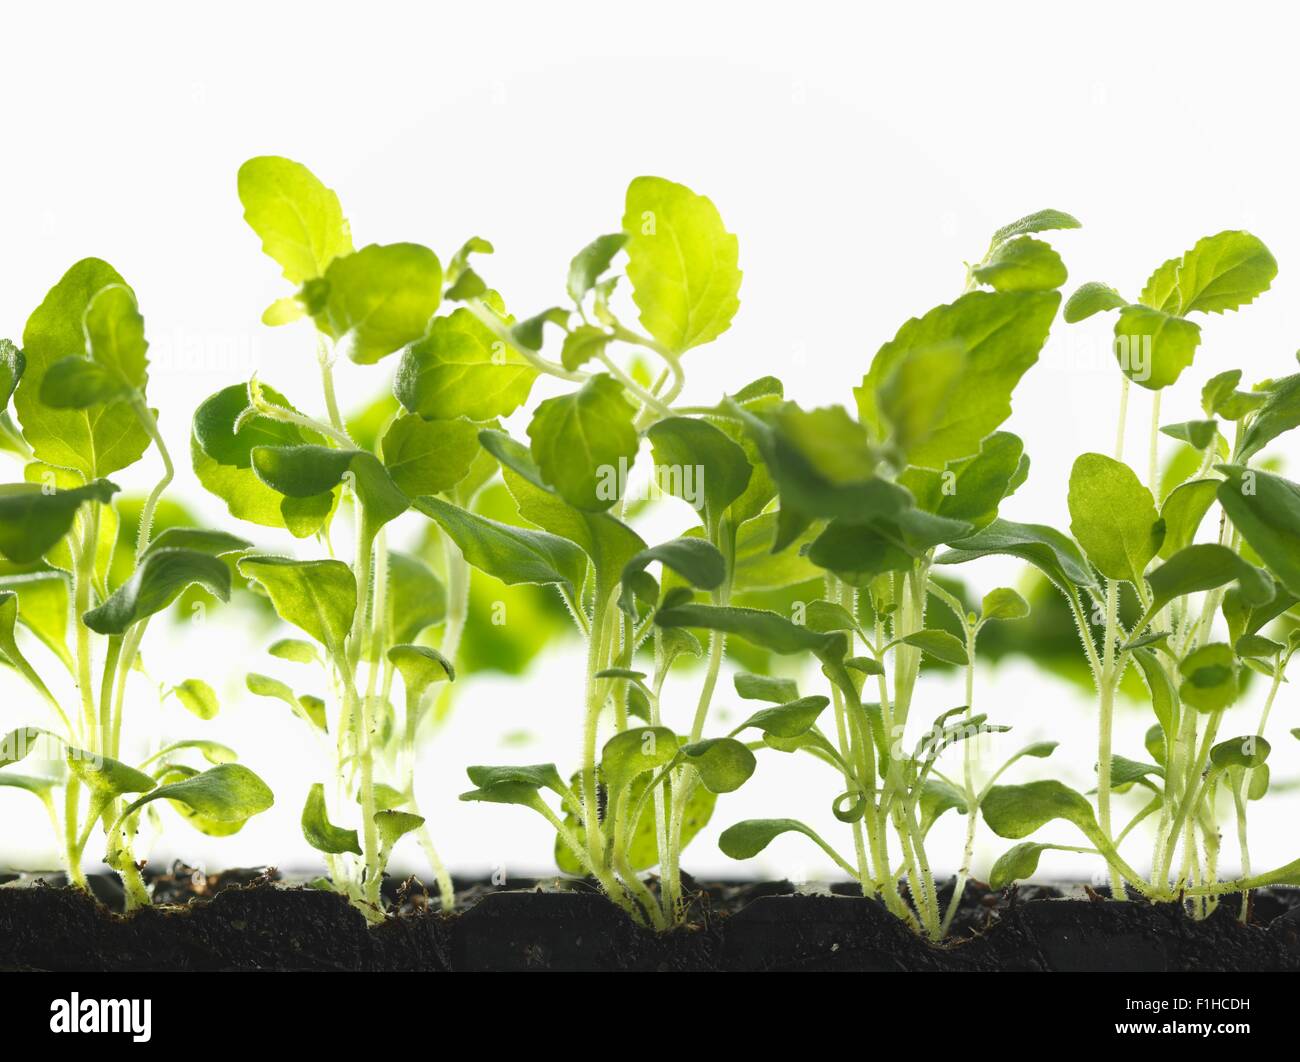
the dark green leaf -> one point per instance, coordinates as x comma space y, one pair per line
511, 554
1266, 510
1046, 548
33, 520
159, 580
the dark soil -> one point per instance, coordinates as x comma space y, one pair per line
251, 920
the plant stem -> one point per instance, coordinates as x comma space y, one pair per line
150, 423
1106, 728
325, 357
590, 730
972, 798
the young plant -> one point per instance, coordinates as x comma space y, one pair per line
277, 467
1141, 538
868, 501
78, 389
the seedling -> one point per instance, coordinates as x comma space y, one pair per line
867, 501
78, 389
275, 466
1141, 538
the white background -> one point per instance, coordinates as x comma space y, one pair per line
861, 153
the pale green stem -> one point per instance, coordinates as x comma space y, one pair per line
150, 423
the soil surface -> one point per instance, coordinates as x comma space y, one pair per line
254, 920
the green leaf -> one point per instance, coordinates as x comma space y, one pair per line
394, 825
511, 554
463, 282
461, 369
212, 751
939, 644
321, 834
682, 262
1256, 646
1022, 264
1015, 811
96, 441
299, 220
204, 540
824, 463
1001, 334
43, 608
319, 597
309, 472
938, 796
198, 698
115, 335
32, 521
1164, 699
76, 383
1210, 678
1197, 433
1125, 772
584, 442
914, 399
643, 845
310, 710
1205, 566
1091, 298
421, 668
416, 598
376, 300
538, 776
39, 787
757, 626
608, 542
1016, 864
746, 839
788, 720
1113, 517
765, 688
698, 562
1003, 604
109, 778
528, 333
591, 262
1224, 272
972, 488
18, 744
1039, 221
222, 458
724, 764
12, 365
1047, 549
1182, 513
697, 462
585, 343
1266, 510
1280, 413
1152, 347
162, 576
1245, 752
429, 456
635, 751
